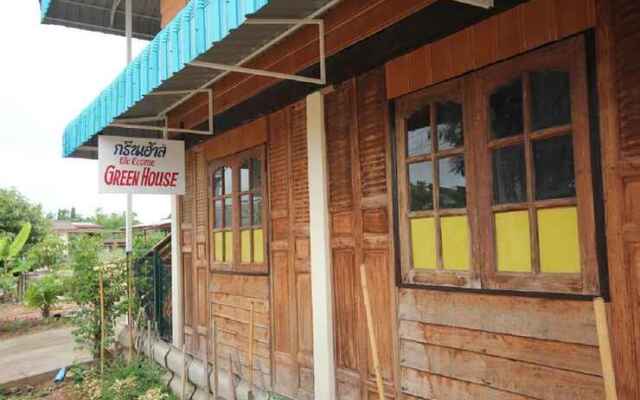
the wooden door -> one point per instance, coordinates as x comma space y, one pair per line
195, 264
356, 121
289, 249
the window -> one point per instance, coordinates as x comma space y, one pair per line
502, 199
237, 199
433, 157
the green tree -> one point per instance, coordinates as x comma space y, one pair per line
10, 250
48, 253
43, 294
64, 214
15, 211
87, 259
111, 221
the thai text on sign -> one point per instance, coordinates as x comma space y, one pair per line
145, 166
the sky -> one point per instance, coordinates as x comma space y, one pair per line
48, 74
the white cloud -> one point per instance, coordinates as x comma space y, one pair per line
48, 74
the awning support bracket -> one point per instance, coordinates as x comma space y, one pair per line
136, 123
271, 74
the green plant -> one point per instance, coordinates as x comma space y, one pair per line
49, 252
15, 211
140, 379
88, 260
43, 294
10, 249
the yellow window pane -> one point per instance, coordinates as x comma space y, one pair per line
258, 246
455, 242
228, 246
218, 246
559, 242
513, 242
245, 246
423, 243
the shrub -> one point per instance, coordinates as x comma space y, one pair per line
88, 259
43, 294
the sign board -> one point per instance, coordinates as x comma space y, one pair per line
145, 166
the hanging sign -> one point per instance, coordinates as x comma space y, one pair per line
145, 166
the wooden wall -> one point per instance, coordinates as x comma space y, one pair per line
289, 252
169, 9
356, 123
347, 23
619, 91
520, 29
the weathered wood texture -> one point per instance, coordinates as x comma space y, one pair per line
195, 253
230, 297
289, 245
505, 35
347, 23
358, 203
169, 9
618, 55
467, 346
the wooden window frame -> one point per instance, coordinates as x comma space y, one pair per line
235, 162
476, 88
450, 91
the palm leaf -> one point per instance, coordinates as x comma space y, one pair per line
4, 248
21, 239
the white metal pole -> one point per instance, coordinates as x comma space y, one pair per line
128, 16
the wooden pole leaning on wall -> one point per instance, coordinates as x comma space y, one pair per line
185, 372
371, 331
250, 394
102, 327
214, 347
604, 345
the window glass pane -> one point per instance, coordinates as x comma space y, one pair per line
455, 242
419, 133
245, 246
421, 186
513, 243
228, 180
244, 176
423, 243
217, 214
258, 246
217, 182
256, 174
450, 133
509, 175
228, 212
218, 246
245, 210
257, 210
553, 160
228, 246
550, 99
559, 242
453, 184
505, 110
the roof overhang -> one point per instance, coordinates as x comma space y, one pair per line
204, 42
106, 16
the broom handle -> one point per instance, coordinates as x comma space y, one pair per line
251, 333
604, 344
371, 332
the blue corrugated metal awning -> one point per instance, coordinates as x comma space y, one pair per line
205, 30
100, 16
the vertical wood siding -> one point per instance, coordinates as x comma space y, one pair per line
520, 29
291, 280
358, 203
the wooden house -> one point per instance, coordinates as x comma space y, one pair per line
482, 164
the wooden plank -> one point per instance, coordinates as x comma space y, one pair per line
256, 287
567, 356
539, 23
509, 375
565, 321
434, 387
236, 140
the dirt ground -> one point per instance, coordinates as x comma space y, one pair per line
14, 312
45, 391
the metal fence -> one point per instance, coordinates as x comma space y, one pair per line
153, 286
